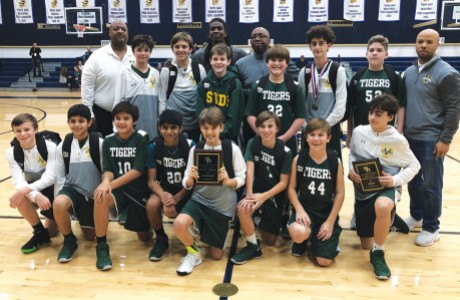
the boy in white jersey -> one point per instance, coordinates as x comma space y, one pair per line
33, 179
210, 207
375, 210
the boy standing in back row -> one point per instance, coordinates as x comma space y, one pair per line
326, 91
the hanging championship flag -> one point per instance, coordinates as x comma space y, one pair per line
353, 10
23, 11
85, 3
426, 10
54, 11
389, 10
215, 9
283, 11
182, 11
117, 11
318, 11
149, 11
249, 11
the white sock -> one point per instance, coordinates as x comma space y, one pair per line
252, 238
377, 247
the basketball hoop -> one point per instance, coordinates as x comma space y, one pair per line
80, 30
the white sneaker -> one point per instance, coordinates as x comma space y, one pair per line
189, 262
413, 223
353, 222
426, 238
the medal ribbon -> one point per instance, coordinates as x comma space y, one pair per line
317, 77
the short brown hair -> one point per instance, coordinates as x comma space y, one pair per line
318, 124
278, 51
221, 49
23, 118
320, 32
212, 116
182, 36
378, 39
267, 115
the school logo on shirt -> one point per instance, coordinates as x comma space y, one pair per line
386, 151
153, 82
325, 82
427, 78
41, 161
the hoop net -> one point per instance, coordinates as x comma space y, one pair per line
80, 30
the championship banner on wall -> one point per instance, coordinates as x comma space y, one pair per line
283, 11
318, 11
182, 11
23, 12
149, 11
353, 10
426, 10
54, 11
215, 9
117, 11
389, 10
249, 11
85, 3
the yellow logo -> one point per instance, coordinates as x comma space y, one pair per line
191, 79
326, 82
153, 82
386, 151
116, 3
282, 2
181, 2
87, 151
41, 161
353, 1
54, 3
248, 2
148, 2
318, 2
427, 78
389, 1
22, 3
215, 2
84, 3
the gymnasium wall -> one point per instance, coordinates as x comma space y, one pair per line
400, 32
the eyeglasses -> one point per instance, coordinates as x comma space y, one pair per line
259, 35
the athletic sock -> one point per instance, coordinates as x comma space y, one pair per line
102, 239
377, 247
252, 238
160, 232
39, 228
70, 235
193, 249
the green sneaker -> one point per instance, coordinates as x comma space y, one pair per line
299, 249
161, 244
122, 217
69, 246
103, 261
37, 241
381, 270
251, 251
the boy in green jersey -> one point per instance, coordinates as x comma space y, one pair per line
315, 199
268, 163
124, 183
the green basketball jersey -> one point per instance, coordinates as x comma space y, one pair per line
371, 84
316, 193
121, 156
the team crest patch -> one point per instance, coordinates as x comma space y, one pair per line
427, 78
386, 151
325, 82
206, 85
41, 161
153, 82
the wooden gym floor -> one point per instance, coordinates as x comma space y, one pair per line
418, 273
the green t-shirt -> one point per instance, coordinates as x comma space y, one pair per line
266, 174
121, 156
371, 84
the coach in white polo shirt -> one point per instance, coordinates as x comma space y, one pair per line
100, 76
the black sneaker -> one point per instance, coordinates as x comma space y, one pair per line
37, 241
399, 225
251, 251
381, 270
299, 250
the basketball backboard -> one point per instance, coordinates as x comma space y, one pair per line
450, 15
90, 17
